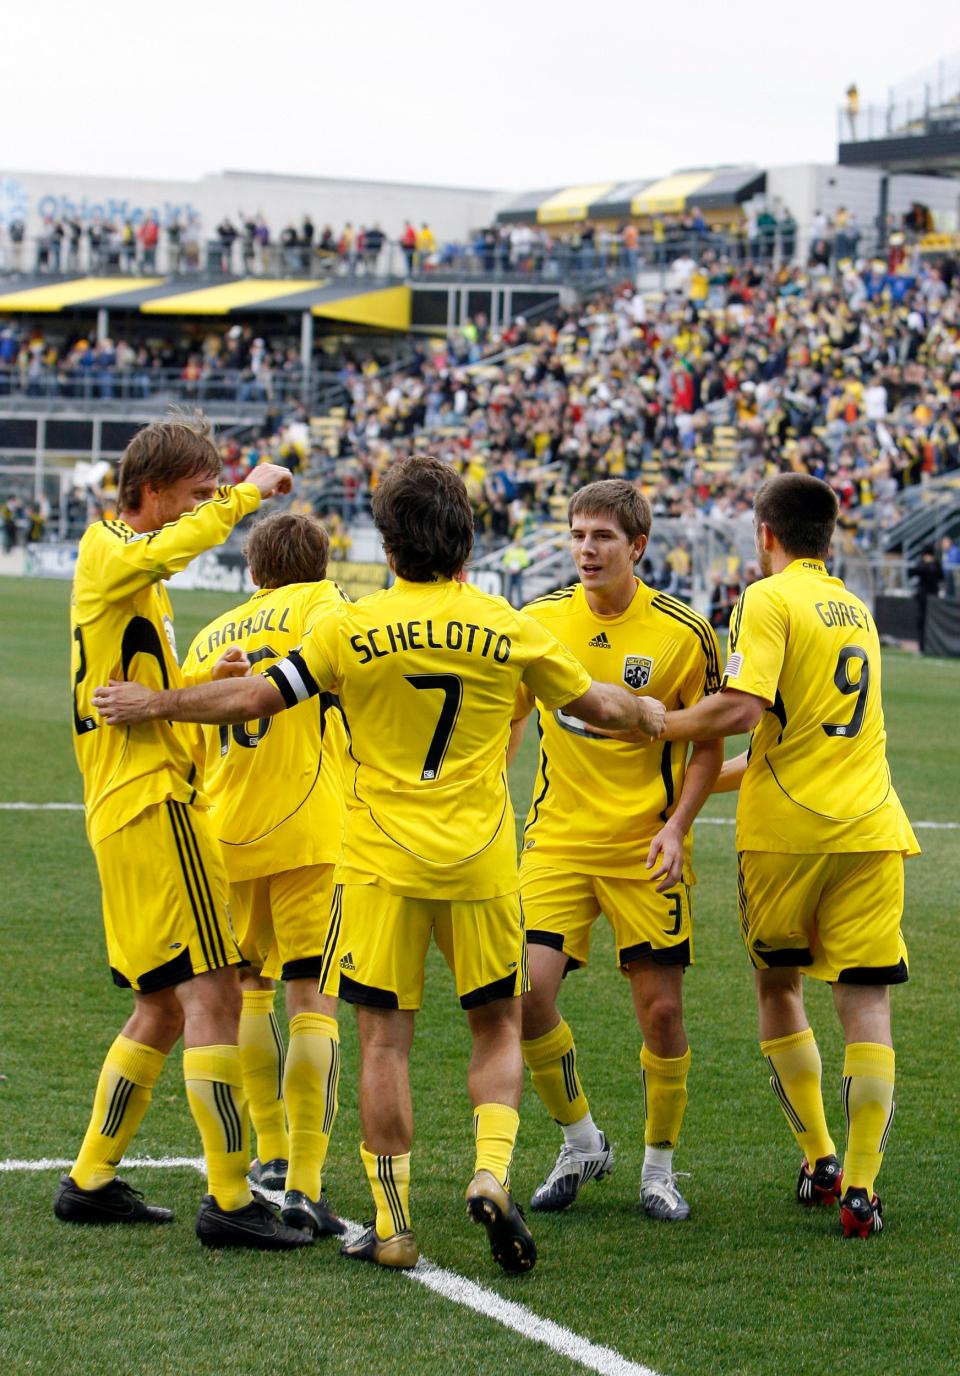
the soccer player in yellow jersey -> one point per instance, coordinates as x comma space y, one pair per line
821, 835
165, 910
610, 831
427, 673
277, 792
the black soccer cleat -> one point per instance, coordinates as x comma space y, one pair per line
511, 1242
116, 1202
256, 1224
311, 1215
399, 1251
820, 1185
860, 1216
268, 1175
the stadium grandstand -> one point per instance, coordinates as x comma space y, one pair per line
692, 333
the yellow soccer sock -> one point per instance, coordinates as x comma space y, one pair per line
124, 1091
310, 1089
795, 1072
495, 1128
868, 1076
261, 1056
664, 1097
389, 1178
219, 1106
552, 1062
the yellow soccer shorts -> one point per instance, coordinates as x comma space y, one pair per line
381, 942
835, 917
165, 899
282, 921
561, 906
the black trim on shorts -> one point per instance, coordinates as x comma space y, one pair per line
555, 941
368, 995
660, 955
875, 974
175, 971
307, 967
489, 993
785, 958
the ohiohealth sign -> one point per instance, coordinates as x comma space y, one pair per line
18, 202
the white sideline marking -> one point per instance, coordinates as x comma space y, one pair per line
708, 821
450, 1285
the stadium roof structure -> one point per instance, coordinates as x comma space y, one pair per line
378, 306
917, 128
710, 189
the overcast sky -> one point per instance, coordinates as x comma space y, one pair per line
514, 94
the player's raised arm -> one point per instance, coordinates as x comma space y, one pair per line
141, 555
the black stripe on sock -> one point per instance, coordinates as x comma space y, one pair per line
385, 1175
217, 934
886, 1131
845, 1101
793, 1117
332, 1078
566, 1064
184, 869
281, 1053
117, 1107
229, 1115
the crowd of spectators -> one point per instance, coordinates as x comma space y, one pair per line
852, 375
739, 370
765, 232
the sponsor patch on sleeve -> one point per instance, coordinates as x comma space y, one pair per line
734, 665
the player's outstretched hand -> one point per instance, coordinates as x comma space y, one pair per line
668, 845
122, 704
270, 479
233, 663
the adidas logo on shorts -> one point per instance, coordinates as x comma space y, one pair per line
346, 962
600, 642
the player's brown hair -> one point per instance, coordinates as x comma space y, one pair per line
179, 446
424, 517
800, 510
287, 548
618, 499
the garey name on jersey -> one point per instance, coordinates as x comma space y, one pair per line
467, 637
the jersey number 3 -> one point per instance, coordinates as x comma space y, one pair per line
846, 685
452, 689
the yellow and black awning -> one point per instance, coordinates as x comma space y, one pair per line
43, 296
351, 301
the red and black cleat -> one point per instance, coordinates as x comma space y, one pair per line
860, 1216
820, 1185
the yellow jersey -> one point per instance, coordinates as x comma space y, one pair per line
427, 674
276, 785
122, 627
597, 802
818, 778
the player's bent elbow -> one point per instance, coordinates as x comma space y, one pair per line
744, 710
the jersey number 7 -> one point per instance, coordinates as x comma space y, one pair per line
451, 686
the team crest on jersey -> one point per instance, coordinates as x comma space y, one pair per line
637, 670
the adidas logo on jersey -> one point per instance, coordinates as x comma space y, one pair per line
346, 962
600, 642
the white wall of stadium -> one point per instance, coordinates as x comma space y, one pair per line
450, 211
809, 187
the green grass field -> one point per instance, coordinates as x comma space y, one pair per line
752, 1284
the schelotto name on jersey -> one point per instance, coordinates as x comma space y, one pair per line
467, 636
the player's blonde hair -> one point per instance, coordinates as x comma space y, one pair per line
287, 548
179, 446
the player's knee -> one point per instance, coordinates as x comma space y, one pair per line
661, 1016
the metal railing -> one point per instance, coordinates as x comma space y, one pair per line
109, 388
927, 104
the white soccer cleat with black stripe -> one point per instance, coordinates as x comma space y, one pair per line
573, 1168
662, 1200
